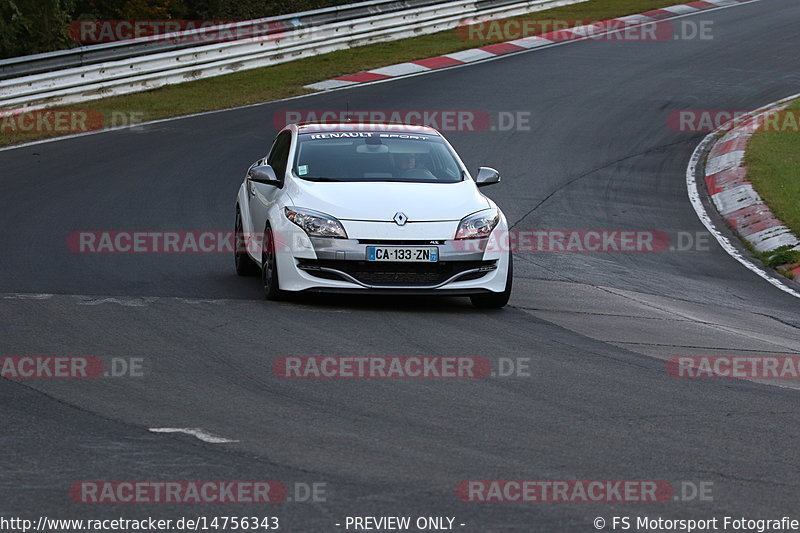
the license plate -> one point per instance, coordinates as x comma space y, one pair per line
405, 254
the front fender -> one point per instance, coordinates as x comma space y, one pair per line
243, 203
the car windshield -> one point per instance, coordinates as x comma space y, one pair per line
375, 156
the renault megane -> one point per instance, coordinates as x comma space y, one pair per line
380, 208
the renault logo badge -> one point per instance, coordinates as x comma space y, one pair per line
400, 218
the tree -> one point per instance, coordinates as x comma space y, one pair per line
32, 27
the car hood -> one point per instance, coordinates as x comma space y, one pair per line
380, 201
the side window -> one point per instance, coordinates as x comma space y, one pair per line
279, 155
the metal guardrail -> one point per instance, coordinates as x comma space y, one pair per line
144, 72
114, 51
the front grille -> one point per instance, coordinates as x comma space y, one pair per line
389, 242
397, 274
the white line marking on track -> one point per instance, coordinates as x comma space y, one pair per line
195, 432
697, 203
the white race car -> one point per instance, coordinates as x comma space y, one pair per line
378, 208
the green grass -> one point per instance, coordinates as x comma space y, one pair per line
773, 166
779, 256
285, 80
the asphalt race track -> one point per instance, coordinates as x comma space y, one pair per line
597, 327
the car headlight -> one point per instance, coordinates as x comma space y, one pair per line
478, 225
314, 223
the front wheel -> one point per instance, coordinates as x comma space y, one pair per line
496, 300
269, 268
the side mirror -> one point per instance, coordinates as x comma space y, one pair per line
263, 174
487, 176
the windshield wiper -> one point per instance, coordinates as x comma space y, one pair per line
312, 178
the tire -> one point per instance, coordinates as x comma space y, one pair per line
245, 266
269, 268
496, 300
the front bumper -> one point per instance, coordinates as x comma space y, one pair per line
464, 267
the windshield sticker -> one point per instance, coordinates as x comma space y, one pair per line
302, 170
403, 136
346, 134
